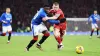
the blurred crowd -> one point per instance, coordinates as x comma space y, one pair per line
24, 10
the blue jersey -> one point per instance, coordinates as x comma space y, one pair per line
7, 17
93, 18
37, 19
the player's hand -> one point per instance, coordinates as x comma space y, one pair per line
45, 19
4, 22
10, 21
97, 20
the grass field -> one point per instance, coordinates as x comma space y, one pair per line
18, 43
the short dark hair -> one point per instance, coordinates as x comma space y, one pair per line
46, 6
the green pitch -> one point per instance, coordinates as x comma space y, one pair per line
18, 43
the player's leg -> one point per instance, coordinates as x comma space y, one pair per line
35, 30
58, 38
62, 32
57, 35
96, 26
35, 38
93, 27
9, 28
4, 30
46, 34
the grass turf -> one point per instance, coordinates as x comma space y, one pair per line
18, 43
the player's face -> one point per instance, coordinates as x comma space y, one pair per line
95, 12
55, 7
8, 10
47, 9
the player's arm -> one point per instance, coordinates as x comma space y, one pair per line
2, 19
53, 21
11, 19
53, 17
98, 17
89, 19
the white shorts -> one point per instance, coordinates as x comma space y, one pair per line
6, 29
94, 26
36, 29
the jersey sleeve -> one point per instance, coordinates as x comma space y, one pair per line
11, 18
98, 17
2, 17
58, 13
43, 15
90, 18
53, 21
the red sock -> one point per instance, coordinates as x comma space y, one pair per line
35, 38
58, 40
61, 37
3, 34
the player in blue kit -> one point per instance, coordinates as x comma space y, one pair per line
38, 26
94, 18
6, 19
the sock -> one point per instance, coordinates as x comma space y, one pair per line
91, 32
61, 37
43, 39
9, 37
32, 42
3, 34
97, 31
62, 34
46, 35
58, 40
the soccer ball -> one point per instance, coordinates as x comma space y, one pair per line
79, 49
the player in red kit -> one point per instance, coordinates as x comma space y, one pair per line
59, 29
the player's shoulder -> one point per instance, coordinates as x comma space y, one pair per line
4, 13
41, 10
59, 11
92, 15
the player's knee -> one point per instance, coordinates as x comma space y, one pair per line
97, 28
35, 38
56, 33
47, 34
92, 29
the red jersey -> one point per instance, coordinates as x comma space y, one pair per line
61, 26
59, 11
